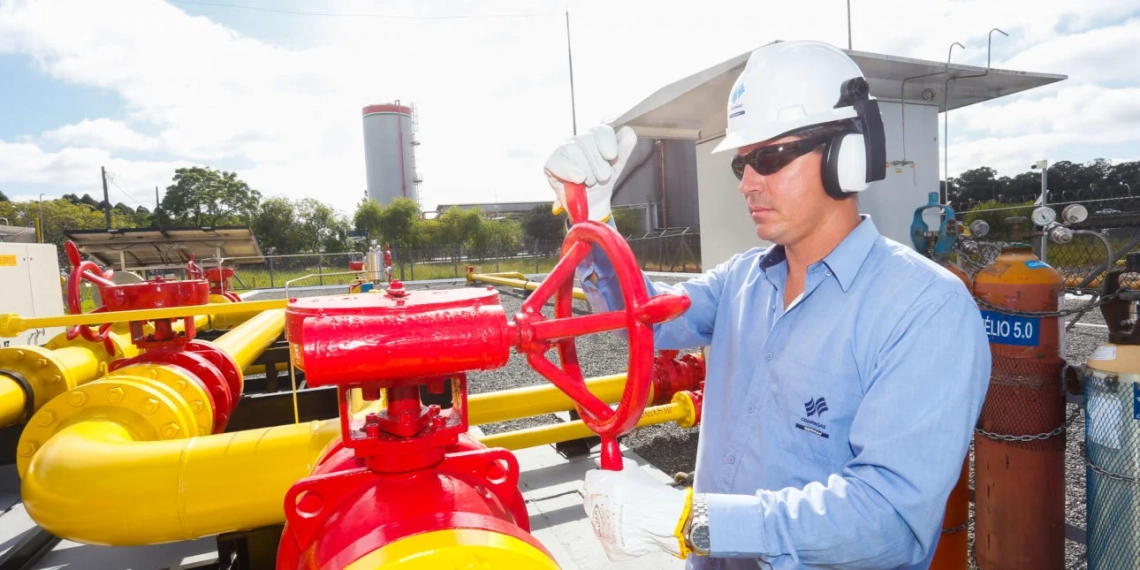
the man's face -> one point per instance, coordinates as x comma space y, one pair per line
787, 204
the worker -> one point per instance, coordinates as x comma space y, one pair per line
846, 372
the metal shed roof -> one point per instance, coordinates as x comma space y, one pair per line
694, 107
167, 248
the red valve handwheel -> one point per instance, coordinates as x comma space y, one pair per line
86, 271
637, 318
193, 270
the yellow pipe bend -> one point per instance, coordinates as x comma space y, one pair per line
95, 483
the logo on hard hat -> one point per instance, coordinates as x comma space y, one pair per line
735, 109
736, 93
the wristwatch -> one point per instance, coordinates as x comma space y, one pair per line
699, 529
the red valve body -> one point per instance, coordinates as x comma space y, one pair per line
372, 337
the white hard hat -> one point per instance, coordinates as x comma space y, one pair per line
787, 86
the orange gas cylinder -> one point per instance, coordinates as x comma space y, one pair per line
1019, 450
953, 546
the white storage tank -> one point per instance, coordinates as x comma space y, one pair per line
389, 157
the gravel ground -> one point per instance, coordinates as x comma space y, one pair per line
673, 449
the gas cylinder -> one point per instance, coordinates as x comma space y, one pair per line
1019, 449
938, 244
1111, 379
953, 546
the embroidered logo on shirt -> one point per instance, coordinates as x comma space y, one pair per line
816, 407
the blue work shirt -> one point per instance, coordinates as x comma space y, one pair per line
832, 432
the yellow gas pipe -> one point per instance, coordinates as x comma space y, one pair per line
516, 280
681, 410
493, 407
95, 482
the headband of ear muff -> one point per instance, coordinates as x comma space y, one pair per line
852, 160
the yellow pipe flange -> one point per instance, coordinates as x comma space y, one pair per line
685, 402
148, 409
181, 382
47, 375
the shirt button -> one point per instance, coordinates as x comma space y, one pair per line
751, 409
828, 274
768, 356
731, 459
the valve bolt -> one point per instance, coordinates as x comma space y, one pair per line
170, 431
77, 399
150, 406
45, 419
115, 394
27, 448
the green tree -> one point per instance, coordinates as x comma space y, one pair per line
204, 197
369, 217
542, 225
629, 221
318, 227
458, 226
74, 199
495, 238
60, 215
88, 200
399, 222
3, 197
124, 209
274, 226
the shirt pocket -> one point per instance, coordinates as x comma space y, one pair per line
815, 406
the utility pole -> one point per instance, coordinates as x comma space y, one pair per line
570, 57
41, 228
848, 25
106, 199
156, 203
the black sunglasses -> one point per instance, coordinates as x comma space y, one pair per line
768, 160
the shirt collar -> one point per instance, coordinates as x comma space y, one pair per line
847, 257
845, 260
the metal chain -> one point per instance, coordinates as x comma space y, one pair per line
958, 528
1047, 314
1028, 438
1105, 472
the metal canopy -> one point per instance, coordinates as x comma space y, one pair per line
167, 248
694, 107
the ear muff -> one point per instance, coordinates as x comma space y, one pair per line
844, 165
853, 160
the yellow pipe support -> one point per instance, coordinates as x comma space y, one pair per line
531, 401
12, 324
517, 280
680, 410
248, 340
260, 369
94, 482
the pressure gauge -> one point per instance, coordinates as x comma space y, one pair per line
1074, 214
979, 228
1044, 216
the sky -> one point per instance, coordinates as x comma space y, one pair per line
142, 87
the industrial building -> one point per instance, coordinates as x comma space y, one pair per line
389, 152
680, 183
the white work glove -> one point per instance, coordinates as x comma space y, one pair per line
632, 513
595, 159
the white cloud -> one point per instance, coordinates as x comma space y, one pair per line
101, 133
77, 170
492, 93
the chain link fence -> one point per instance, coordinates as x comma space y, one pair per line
1083, 260
671, 250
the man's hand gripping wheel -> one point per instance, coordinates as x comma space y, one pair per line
639, 315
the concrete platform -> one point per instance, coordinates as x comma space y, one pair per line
551, 486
